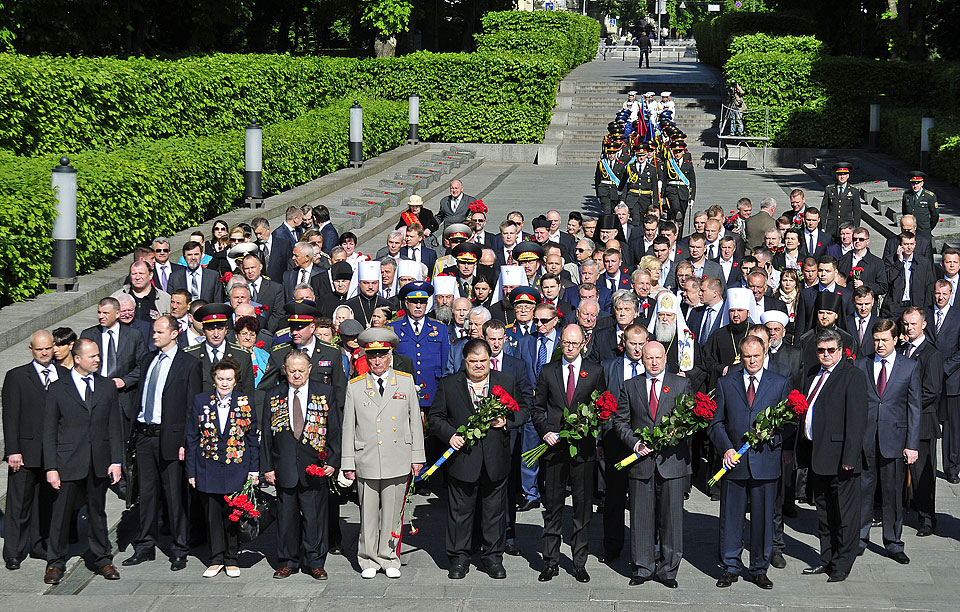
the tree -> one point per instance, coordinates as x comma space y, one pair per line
387, 18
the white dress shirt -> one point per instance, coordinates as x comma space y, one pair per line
877, 365
757, 377
51, 370
914, 345
658, 379
808, 419
164, 365
302, 394
628, 368
907, 274
81, 385
566, 370
105, 342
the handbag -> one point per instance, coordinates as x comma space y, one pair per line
250, 528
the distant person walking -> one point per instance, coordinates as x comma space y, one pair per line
645, 47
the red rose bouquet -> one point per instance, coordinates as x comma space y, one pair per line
849, 355
580, 422
855, 272
242, 504
690, 414
767, 423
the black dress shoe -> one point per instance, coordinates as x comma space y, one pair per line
608, 557
953, 479
178, 563
837, 577
548, 573
53, 575
900, 557
924, 532
580, 573
762, 581
512, 550
816, 569
777, 560
458, 571
861, 551
496, 571
726, 579
670, 583
789, 511
138, 558
637, 580
336, 550
528, 504
12, 564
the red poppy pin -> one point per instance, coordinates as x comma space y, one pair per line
666, 389
735, 264
818, 244
583, 374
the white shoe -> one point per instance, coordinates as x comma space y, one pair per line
212, 571
369, 573
393, 572
233, 571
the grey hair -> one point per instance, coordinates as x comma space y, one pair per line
623, 295
480, 310
826, 335
768, 204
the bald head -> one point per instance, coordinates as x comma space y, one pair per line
41, 345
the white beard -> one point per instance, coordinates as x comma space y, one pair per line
664, 334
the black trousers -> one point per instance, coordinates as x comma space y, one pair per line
678, 205
644, 54
638, 204
92, 490
608, 196
558, 472
302, 525
224, 543
923, 476
25, 487
837, 498
334, 535
890, 475
159, 476
513, 484
950, 444
614, 496
786, 498
462, 501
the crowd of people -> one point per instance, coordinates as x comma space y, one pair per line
288, 356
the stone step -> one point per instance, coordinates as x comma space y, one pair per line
621, 88
410, 179
394, 194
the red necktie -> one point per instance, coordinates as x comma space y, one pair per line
571, 385
494, 362
751, 391
882, 381
653, 399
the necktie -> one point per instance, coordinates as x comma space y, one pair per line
416, 254
148, 401
266, 254
860, 328
571, 385
215, 355
163, 278
811, 249
380, 384
297, 415
46, 378
303, 276
493, 363
89, 391
633, 369
416, 328
386, 293
253, 292
710, 254
541, 354
882, 380
111, 354
808, 423
939, 320
611, 284
752, 391
908, 351
654, 402
194, 285
707, 326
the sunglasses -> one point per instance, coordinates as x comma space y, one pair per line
161, 250
237, 240
860, 239
542, 321
827, 351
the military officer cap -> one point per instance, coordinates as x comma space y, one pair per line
350, 328
341, 271
916, 176
417, 290
841, 168
608, 222
525, 295
527, 251
540, 221
378, 340
467, 252
649, 94
612, 127
632, 92
214, 315
457, 231
301, 313
611, 148
243, 249
678, 145
649, 146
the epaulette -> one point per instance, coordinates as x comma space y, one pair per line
400, 373
357, 378
282, 345
325, 343
239, 347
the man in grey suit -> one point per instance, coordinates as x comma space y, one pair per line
658, 478
758, 224
891, 437
453, 208
267, 292
703, 267
202, 283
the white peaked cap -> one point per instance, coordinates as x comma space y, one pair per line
665, 94
740, 299
409, 267
369, 271
777, 316
445, 285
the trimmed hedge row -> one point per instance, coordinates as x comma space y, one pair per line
714, 36
900, 136
569, 37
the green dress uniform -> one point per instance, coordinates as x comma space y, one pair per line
607, 181
840, 203
921, 204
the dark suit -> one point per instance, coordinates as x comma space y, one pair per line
227, 349
475, 472
657, 480
838, 420
279, 259
822, 240
131, 352
302, 521
271, 296
82, 438
893, 424
755, 475
211, 290
697, 318
448, 216
948, 345
924, 249
923, 471
558, 467
158, 450
921, 286
157, 281
864, 347
291, 278
428, 256
874, 275
326, 364
23, 435
330, 237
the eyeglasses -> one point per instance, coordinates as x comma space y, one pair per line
542, 321
570, 343
237, 240
579, 250
161, 250
827, 350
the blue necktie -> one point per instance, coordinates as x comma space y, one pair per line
633, 369
541, 354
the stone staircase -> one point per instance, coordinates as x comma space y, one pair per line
584, 108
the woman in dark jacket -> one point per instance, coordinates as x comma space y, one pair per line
416, 213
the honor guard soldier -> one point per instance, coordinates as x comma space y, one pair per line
454, 234
467, 255
529, 255
422, 339
608, 179
643, 181
216, 321
680, 186
524, 299
922, 204
613, 137
841, 202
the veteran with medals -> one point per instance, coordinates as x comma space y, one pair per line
301, 451
382, 448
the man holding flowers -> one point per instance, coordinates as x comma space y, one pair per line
479, 467
742, 394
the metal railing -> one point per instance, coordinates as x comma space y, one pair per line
658, 53
740, 146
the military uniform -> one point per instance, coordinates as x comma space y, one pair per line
921, 204
643, 184
675, 190
840, 203
429, 349
456, 234
607, 183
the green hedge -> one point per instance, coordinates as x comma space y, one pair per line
506, 123
569, 37
713, 37
764, 43
900, 136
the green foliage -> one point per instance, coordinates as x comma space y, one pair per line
504, 123
900, 136
714, 36
524, 31
764, 43
386, 17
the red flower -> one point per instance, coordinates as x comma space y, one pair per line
607, 405
797, 402
646, 305
477, 206
226, 277
401, 313
505, 398
735, 264
849, 354
258, 310
260, 344
583, 374
704, 406
666, 389
322, 455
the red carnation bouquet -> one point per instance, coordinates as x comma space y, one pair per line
580, 422
690, 414
767, 423
477, 206
242, 504
318, 470
855, 272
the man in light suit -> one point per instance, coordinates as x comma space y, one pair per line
453, 208
658, 478
378, 461
202, 283
891, 437
303, 271
741, 395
